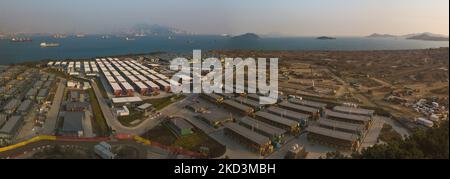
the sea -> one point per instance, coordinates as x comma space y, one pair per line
93, 46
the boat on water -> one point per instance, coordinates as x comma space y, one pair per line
45, 44
140, 35
14, 39
129, 39
59, 36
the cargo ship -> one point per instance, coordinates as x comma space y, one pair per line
45, 44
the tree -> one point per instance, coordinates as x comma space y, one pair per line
431, 143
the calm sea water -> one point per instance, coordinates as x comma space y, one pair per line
94, 46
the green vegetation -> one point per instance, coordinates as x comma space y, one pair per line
59, 124
161, 103
57, 73
134, 115
193, 142
161, 134
60, 152
388, 134
422, 144
65, 75
199, 139
101, 87
100, 122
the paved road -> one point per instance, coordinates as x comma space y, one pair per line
373, 133
87, 125
26, 151
397, 127
52, 115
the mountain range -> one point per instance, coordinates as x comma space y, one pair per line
156, 30
426, 36
247, 36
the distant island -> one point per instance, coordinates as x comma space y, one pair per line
247, 36
376, 35
325, 38
426, 36
140, 30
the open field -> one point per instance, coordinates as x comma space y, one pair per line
193, 142
366, 78
99, 123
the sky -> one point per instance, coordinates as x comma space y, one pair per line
269, 17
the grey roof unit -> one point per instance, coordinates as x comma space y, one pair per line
341, 126
308, 103
212, 96
238, 106
332, 133
43, 93
12, 125
227, 95
215, 116
11, 106
3, 119
288, 113
47, 84
32, 92
25, 106
254, 104
73, 122
44, 77
74, 95
266, 129
351, 117
253, 96
296, 107
180, 123
144, 106
76, 106
276, 119
352, 110
247, 133
38, 84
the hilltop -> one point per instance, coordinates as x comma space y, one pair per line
156, 29
426, 36
247, 36
376, 35
325, 38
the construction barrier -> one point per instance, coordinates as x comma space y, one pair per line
171, 149
26, 142
81, 139
142, 140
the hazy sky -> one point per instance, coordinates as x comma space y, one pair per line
288, 17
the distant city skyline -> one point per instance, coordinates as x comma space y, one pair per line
265, 17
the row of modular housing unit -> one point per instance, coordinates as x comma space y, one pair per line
258, 130
74, 68
122, 75
341, 127
251, 108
